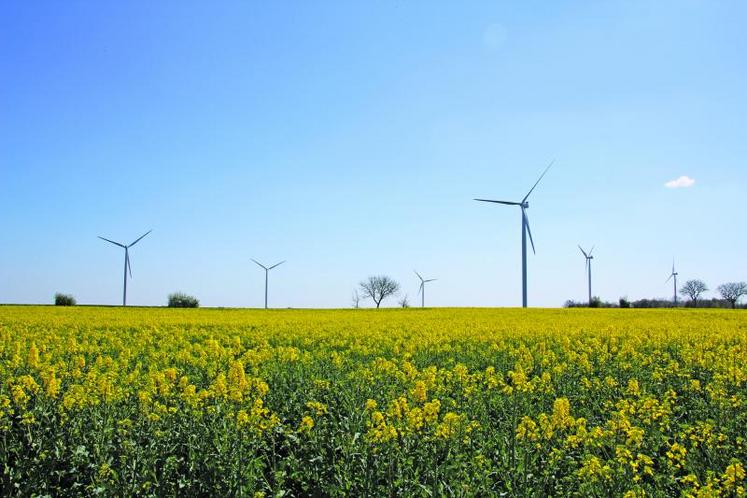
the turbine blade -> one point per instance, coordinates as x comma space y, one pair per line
507, 203
278, 264
583, 252
670, 278
529, 230
418, 274
140, 238
592, 250
115, 243
540, 178
430, 280
260, 264
420, 289
127, 260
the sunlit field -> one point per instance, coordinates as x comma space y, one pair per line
409, 402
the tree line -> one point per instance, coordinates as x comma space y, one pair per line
729, 295
377, 288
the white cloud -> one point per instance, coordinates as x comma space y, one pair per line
681, 182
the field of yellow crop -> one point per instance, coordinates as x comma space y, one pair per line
407, 402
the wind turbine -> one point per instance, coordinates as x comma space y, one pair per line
588, 257
524, 205
267, 271
673, 275
127, 267
421, 290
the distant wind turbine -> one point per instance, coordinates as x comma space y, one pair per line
524, 205
267, 271
588, 257
421, 290
127, 267
673, 275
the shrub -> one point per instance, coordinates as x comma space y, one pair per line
596, 302
181, 300
624, 303
64, 300
404, 302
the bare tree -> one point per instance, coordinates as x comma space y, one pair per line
356, 299
693, 289
732, 291
404, 302
378, 288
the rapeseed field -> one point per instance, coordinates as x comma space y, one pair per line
410, 402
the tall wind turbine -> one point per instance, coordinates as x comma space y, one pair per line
524, 205
673, 275
127, 267
267, 272
421, 290
588, 257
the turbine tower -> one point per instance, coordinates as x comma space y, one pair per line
588, 257
673, 275
267, 271
127, 267
524, 205
421, 290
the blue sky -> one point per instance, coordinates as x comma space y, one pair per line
350, 137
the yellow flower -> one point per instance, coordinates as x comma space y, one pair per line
318, 408
527, 430
520, 381
450, 425
633, 388
242, 418
219, 388
676, 455
28, 419
379, 431
53, 384
415, 419
593, 470
561, 414
237, 383
170, 374
733, 475
19, 395
431, 411
307, 423
419, 393
691, 480
33, 358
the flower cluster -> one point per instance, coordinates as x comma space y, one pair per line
469, 402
